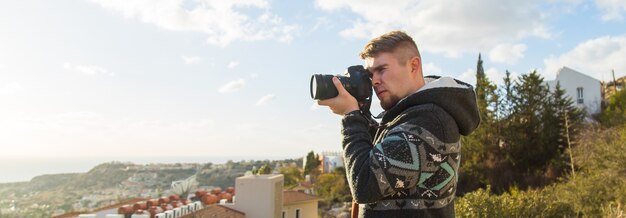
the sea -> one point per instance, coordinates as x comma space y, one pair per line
23, 169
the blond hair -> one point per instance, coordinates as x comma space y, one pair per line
397, 42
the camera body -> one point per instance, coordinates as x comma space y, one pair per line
356, 81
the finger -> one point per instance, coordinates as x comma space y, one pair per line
320, 102
325, 102
340, 89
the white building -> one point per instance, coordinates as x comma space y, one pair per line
330, 160
584, 90
260, 195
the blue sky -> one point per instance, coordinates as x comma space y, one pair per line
231, 78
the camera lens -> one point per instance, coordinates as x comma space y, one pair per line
313, 87
356, 81
322, 87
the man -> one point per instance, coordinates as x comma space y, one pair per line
409, 168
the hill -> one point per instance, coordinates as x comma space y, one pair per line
113, 182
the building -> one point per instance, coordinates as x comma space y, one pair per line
259, 196
262, 196
329, 161
585, 91
164, 207
298, 205
216, 210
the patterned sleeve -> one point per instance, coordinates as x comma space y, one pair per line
408, 161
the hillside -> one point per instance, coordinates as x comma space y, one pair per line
597, 189
112, 182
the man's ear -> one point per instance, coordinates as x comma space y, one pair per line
416, 64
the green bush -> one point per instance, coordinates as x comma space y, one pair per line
596, 189
614, 113
482, 203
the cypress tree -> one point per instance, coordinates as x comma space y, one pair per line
478, 149
312, 162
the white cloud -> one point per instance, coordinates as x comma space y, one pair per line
322, 22
233, 64
90, 70
507, 53
11, 88
468, 76
447, 26
191, 59
493, 74
221, 21
232, 86
496, 76
595, 57
265, 99
613, 9
431, 69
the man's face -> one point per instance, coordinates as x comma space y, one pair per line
392, 81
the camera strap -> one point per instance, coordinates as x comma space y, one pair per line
364, 107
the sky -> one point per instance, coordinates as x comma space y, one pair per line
150, 78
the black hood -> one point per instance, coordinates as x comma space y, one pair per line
455, 97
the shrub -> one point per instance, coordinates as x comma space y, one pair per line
598, 188
482, 203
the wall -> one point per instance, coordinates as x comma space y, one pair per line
307, 209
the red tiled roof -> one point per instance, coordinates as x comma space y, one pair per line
130, 202
216, 210
290, 197
69, 215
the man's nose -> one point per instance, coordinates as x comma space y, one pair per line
375, 80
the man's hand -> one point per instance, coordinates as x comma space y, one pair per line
344, 102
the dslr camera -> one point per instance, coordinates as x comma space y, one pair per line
356, 81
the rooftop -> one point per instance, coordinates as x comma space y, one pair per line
216, 210
567, 70
292, 197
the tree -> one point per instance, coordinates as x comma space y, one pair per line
565, 111
292, 175
487, 98
534, 129
481, 147
614, 114
183, 187
526, 148
265, 169
505, 108
333, 187
343, 191
312, 162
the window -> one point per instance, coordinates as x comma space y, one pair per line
283, 214
297, 213
579, 95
